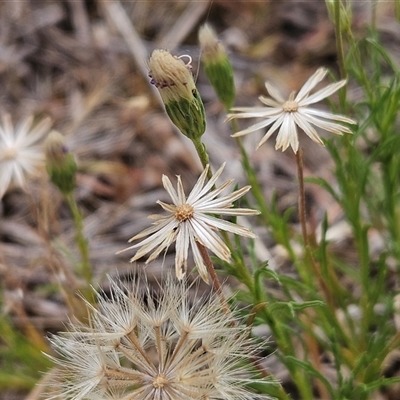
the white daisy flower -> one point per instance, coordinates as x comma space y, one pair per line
20, 154
287, 115
193, 219
156, 346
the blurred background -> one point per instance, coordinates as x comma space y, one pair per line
84, 64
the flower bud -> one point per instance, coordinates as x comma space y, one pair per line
217, 66
60, 163
174, 80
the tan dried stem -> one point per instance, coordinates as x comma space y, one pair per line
303, 221
214, 278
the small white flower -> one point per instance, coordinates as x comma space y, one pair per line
20, 154
193, 219
146, 346
287, 115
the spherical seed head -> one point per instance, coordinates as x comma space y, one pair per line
174, 81
217, 66
160, 381
60, 163
143, 344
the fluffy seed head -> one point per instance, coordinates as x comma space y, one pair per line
143, 346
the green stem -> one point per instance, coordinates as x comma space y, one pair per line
85, 268
203, 155
340, 52
276, 223
243, 274
285, 346
374, 5
339, 40
303, 221
282, 339
390, 180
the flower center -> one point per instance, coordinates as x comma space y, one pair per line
160, 381
290, 106
8, 154
184, 212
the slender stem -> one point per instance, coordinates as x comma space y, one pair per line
283, 340
218, 289
374, 5
273, 221
136, 343
302, 197
339, 40
390, 177
314, 355
214, 278
178, 346
30, 330
85, 268
340, 52
242, 272
303, 222
160, 347
204, 158
283, 337
281, 394
203, 155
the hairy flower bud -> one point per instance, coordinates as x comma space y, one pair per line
174, 80
60, 163
217, 66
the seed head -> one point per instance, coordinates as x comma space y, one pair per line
146, 346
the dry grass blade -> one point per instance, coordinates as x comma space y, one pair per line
122, 23
172, 38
